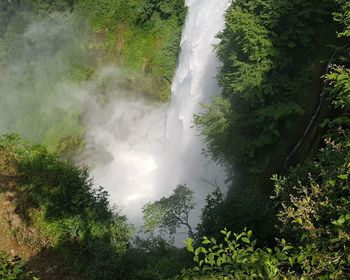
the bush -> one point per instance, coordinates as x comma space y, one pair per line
60, 200
11, 269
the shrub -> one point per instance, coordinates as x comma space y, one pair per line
60, 200
11, 269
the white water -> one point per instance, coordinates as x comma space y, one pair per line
194, 83
148, 157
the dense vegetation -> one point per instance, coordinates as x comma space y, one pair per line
80, 38
76, 222
313, 236
11, 268
284, 109
274, 54
276, 104
140, 35
71, 216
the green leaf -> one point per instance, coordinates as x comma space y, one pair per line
206, 241
340, 221
254, 243
288, 247
197, 251
331, 183
246, 240
343, 176
301, 258
189, 245
336, 240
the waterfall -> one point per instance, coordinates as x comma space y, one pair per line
194, 83
147, 157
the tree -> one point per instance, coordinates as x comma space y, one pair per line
268, 84
312, 200
170, 213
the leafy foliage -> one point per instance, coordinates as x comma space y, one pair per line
314, 212
270, 51
170, 213
239, 210
314, 218
312, 200
11, 269
237, 257
71, 215
142, 35
339, 79
315, 196
154, 258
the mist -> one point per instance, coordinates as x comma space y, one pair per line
47, 98
138, 149
39, 98
124, 140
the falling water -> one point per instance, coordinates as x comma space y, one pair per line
194, 83
149, 156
